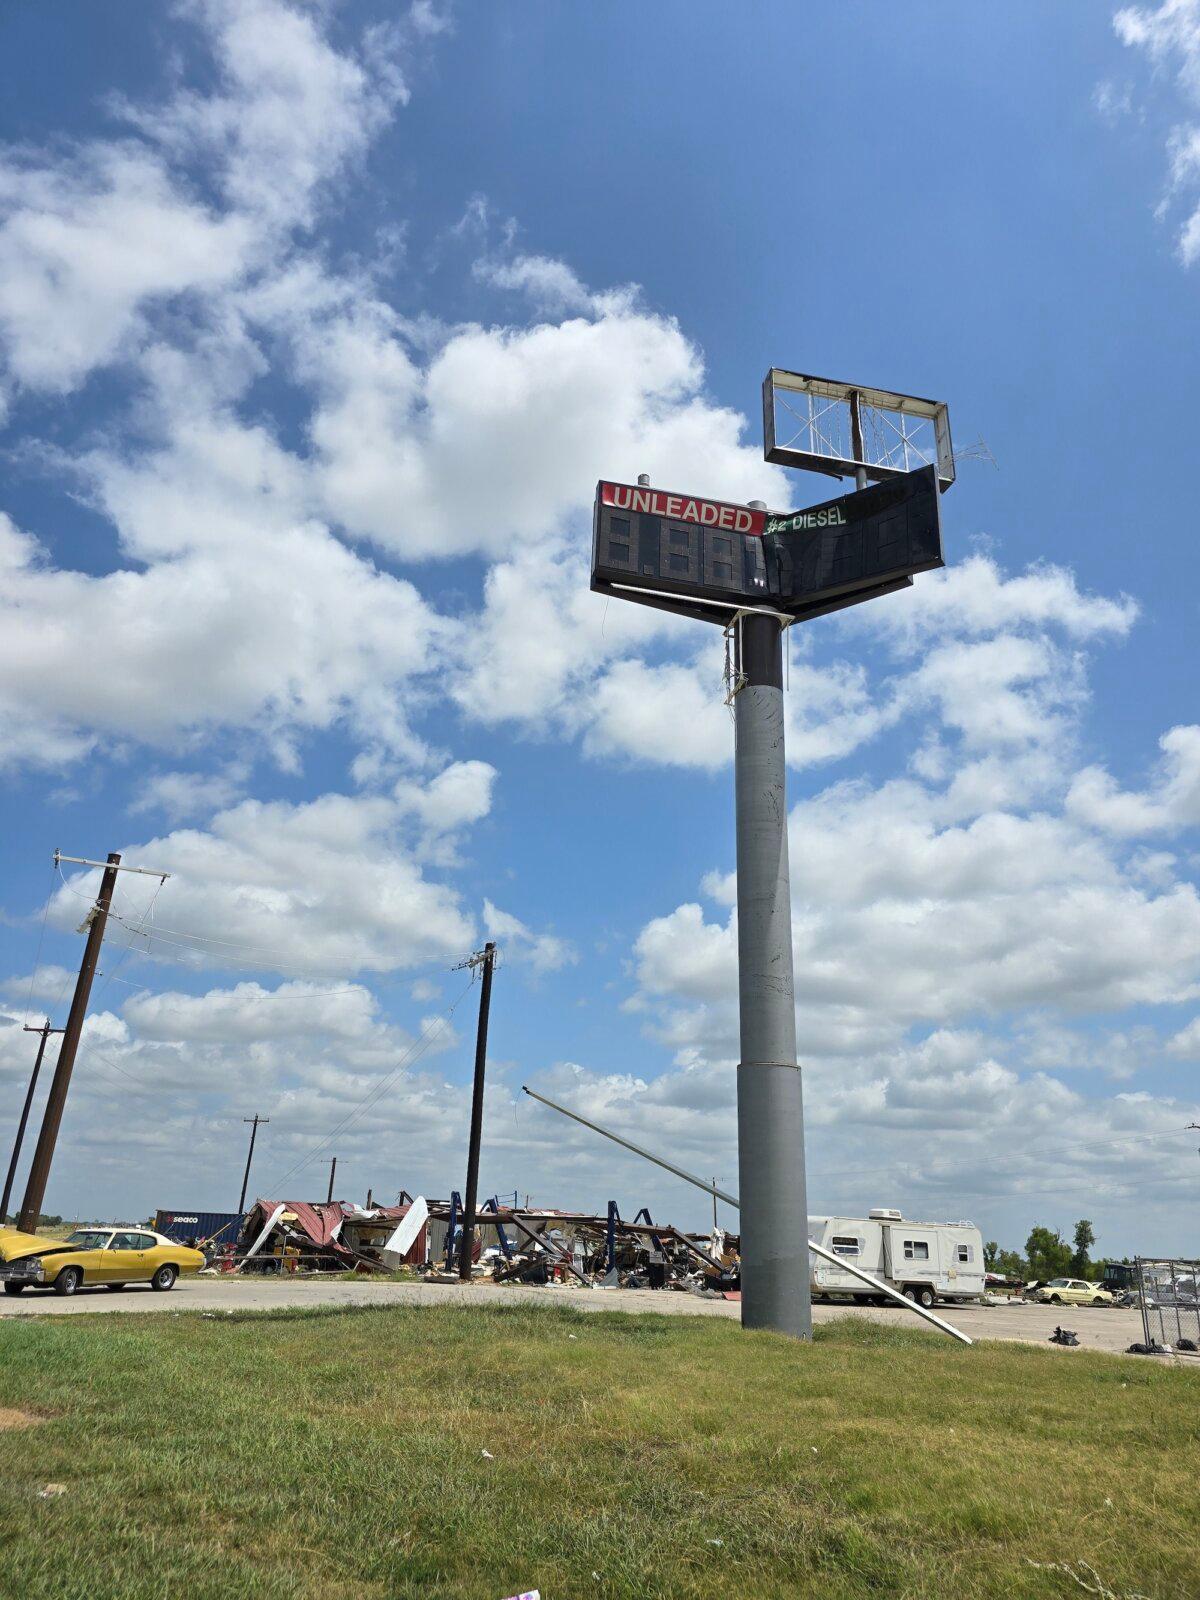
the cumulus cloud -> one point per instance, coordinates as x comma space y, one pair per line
331, 886
208, 640
501, 436
544, 952
971, 938
1171, 802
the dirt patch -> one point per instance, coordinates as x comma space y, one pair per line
10, 1417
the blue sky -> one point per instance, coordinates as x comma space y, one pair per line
318, 325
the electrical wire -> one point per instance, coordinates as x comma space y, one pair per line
413, 1053
222, 963
37, 960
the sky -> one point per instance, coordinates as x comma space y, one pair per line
319, 324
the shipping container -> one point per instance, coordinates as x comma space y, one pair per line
222, 1227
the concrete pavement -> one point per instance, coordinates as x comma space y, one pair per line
1098, 1328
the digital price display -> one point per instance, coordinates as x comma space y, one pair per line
707, 558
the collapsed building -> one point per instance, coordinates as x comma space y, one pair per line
510, 1244
331, 1236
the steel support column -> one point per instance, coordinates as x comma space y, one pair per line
774, 1208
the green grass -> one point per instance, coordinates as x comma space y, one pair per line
338, 1456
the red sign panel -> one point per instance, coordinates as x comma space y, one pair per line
682, 508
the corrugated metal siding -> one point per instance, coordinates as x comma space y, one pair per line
181, 1224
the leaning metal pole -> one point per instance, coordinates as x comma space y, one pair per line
884, 1289
774, 1207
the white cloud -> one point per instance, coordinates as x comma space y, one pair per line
670, 713
457, 796
502, 436
212, 639
85, 247
249, 1012
49, 983
329, 886
189, 794
550, 284
544, 952
975, 597
289, 113
1186, 1043
1170, 33
1172, 802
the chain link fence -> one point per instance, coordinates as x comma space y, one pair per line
1169, 1291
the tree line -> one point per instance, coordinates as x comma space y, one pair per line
1047, 1255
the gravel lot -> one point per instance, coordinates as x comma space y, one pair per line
1098, 1328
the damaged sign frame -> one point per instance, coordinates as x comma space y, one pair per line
705, 559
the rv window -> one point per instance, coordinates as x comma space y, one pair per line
965, 1252
916, 1250
844, 1245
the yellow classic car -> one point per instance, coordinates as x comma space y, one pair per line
1073, 1292
111, 1257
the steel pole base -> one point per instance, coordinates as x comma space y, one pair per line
774, 1220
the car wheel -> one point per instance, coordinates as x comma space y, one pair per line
1097, 1301
163, 1278
15, 1288
68, 1280
1056, 1299
926, 1297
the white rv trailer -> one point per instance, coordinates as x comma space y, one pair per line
927, 1261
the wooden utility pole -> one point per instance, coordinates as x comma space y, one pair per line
332, 1170
39, 1172
487, 961
45, 1030
256, 1120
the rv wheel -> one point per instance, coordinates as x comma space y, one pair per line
926, 1297
910, 1293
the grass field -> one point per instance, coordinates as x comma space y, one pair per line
340, 1457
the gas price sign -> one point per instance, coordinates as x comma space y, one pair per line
707, 558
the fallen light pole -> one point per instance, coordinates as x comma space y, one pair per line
732, 1200
758, 574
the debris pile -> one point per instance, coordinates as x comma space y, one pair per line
331, 1236
549, 1246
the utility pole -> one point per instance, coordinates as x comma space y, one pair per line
45, 1030
486, 960
714, 1205
39, 1172
774, 1206
256, 1120
332, 1170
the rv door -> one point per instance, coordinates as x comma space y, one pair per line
912, 1253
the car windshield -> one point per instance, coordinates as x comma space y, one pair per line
89, 1238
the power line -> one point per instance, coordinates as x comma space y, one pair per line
417, 1048
37, 960
223, 963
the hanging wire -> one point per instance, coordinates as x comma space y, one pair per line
413, 1053
37, 960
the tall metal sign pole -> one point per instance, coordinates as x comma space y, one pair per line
757, 573
775, 1279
